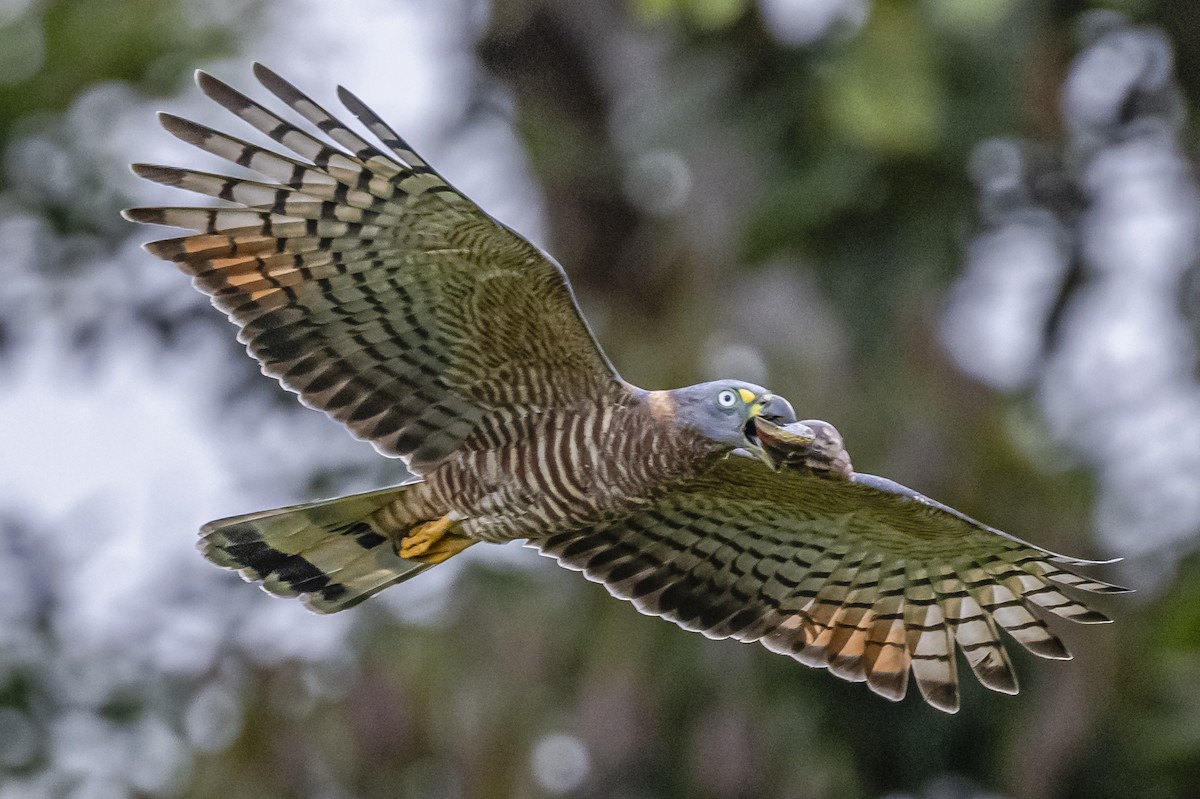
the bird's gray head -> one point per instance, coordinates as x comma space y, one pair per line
724, 411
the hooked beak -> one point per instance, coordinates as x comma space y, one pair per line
774, 409
771, 408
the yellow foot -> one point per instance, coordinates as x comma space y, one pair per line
448, 546
421, 537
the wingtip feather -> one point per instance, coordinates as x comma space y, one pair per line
147, 216
350, 100
1001, 679
158, 173
221, 92
1051, 648
892, 686
183, 129
1091, 617
207, 81
270, 78
941, 695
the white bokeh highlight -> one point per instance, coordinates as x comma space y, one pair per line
1113, 362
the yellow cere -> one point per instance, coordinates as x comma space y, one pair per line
747, 396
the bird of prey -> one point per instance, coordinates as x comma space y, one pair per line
368, 285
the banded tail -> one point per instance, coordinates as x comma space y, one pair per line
329, 553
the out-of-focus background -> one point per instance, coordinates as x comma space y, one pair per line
963, 231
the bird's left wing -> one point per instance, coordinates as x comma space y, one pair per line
368, 285
863, 576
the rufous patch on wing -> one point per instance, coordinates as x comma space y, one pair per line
241, 278
203, 242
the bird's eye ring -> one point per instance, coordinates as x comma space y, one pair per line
727, 399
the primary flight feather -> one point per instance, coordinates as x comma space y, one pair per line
364, 282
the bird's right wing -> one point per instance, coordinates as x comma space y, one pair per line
863, 576
368, 285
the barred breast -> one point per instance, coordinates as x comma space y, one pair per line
533, 475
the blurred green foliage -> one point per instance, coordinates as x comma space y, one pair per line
54, 49
854, 152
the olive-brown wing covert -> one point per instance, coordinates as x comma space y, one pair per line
368, 285
864, 577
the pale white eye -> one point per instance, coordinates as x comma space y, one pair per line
727, 399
